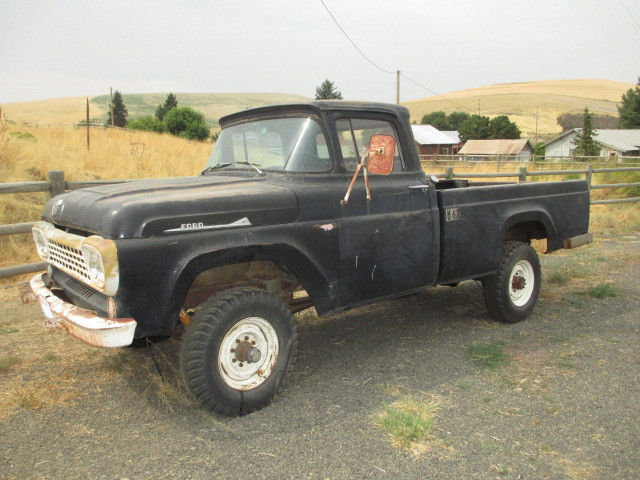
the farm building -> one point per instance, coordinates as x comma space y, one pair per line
517, 150
432, 141
611, 142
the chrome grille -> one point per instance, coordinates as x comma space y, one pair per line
68, 259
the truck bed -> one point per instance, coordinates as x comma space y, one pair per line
475, 218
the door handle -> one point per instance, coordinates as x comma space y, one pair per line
422, 187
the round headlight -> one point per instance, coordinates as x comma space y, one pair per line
93, 260
41, 243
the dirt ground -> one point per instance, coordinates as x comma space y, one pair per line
564, 403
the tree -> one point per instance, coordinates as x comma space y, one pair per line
455, 119
436, 119
629, 108
170, 102
187, 122
476, 127
328, 91
586, 146
119, 111
147, 123
502, 127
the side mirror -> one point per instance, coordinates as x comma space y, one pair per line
381, 151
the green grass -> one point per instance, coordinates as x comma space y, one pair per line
603, 290
5, 330
7, 363
563, 273
408, 421
212, 105
488, 355
463, 384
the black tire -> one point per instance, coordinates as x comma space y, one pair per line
496, 287
203, 338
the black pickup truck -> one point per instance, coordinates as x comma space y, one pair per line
321, 204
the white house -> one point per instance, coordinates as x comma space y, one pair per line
611, 142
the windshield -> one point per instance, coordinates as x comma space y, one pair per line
285, 144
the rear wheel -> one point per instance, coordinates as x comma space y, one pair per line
237, 349
512, 292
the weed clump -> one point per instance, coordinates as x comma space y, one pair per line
488, 355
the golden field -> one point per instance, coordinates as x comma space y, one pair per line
68, 111
28, 153
520, 100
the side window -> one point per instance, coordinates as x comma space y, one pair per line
354, 135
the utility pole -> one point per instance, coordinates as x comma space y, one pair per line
397, 87
111, 104
537, 107
87, 123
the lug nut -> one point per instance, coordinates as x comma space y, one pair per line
253, 342
237, 340
233, 360
246, 337
240, 364
233, 350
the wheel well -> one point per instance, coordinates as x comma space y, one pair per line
526, 231
264, 274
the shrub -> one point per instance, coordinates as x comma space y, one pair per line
180, 118
147, 123
197, 131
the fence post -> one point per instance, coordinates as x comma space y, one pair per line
589, 175
449, 172
56, 182
523, 174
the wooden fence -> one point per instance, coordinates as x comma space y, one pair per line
538, 160
56, 184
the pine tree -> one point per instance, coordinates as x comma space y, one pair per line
119, 111
169, 103
586, 146
629, 109
328, 91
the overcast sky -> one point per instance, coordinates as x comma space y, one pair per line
63, 48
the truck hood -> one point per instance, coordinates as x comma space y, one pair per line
173, 205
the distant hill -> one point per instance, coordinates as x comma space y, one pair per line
519, 101
70, 110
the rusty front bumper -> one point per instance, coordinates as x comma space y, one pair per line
83, 324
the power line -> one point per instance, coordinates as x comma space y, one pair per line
629, 13
382, 69
435, 93
352, 42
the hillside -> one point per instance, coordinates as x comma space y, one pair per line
66, 111
519, 101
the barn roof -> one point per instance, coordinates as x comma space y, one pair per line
428, 135
453, 134
494, 147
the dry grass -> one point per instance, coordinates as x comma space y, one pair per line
113, 154
519, 101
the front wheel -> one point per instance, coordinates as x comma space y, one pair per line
511, 293
237, 349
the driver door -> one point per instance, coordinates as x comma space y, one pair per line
386, 244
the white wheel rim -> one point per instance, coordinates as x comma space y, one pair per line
238, 372
521, 283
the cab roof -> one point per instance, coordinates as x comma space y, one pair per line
318, 106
